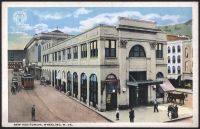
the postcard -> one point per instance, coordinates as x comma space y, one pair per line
100, 64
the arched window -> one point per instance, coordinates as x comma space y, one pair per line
169, 69
93, 90
174, 70
84, 87
111, 86
173, 49
69, 80
178, 48
169, 59
179, 69
174, 59
159, 75
169, 50
75, 84
137, 51
179, 59
186, 66
39, 53
186, 52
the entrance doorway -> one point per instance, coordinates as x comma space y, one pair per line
138, 95
111, 92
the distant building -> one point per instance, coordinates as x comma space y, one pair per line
15, 59
179, 57
35, 47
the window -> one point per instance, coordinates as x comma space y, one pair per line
174, 59
69, 80
55, 56
75, 84
93, 90
186, 52
39, 53
137, 51
75, 51
159, 75
59, 55
69, 53
179, 69
174, 70
179, 59
169, 69
110, 48
84, 87
173, 49
63, 54
159, 50
186, 66
169, 50
178, 48
84, 50
93, 49
169, 59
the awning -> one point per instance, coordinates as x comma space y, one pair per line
167, 86
187, 78
145, 82
58, 75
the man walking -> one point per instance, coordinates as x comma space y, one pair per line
155, 105
33, 113
131, 115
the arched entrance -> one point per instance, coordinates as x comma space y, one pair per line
111, 92
93, 90
75, 84
159, 90
83, 87
69, 82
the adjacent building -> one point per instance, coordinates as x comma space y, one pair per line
35, 47
110, 66
15, 59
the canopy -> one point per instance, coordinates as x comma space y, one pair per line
167, 86
145, 82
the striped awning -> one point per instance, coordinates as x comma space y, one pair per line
167, 86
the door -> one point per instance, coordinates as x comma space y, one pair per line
111, 96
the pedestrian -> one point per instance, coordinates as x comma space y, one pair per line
117, 114
12, 90
131, 115
33, 113
155, 105
176, 111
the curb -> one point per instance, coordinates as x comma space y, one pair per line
177, 119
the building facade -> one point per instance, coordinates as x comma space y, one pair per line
15, 59
110, 66
36, 45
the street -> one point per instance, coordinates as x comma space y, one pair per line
50, 104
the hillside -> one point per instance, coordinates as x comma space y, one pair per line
178, 29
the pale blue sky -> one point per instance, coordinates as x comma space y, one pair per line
76, 20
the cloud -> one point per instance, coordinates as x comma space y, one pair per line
53, 16
81, 11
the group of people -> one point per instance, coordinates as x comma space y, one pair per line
131, 114
172, 111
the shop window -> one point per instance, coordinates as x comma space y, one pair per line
84, 87
93, 90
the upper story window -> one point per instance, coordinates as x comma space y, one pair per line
169, 69
93, 49
39, 53
55, 56
178, 48
110, 48
59, 55
84, 50
174, 59
169, 59
169, 50
137, 51
186, 52
68, 53
179, 69
159, 50
179, 59
174, 70
173, 49
63, 54
75, 51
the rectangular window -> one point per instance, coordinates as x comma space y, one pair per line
63, 54
84, 50
93, 49
110, 48
159, 50
59, 55
75, 51
69, 53
55, 56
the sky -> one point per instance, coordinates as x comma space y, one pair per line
23, 23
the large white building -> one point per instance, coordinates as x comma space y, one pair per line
110, 66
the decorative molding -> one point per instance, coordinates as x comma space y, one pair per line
123, 43
153, 44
